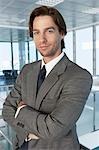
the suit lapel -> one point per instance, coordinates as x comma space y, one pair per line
45, 87
32, 84
51, 80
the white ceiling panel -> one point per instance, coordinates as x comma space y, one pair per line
15, 14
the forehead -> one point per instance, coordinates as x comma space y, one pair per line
43, 21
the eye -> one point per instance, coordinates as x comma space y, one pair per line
51, 30
35, 33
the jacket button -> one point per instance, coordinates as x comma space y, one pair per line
16, 144
20, 124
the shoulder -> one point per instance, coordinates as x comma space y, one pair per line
76, 71
29, 67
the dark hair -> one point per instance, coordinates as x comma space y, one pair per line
56, 16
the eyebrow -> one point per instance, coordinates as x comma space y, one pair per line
51, 27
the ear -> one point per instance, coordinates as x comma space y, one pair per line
62, 35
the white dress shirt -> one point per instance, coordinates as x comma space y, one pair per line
50, 65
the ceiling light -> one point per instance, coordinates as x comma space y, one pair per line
22, 20
13, 27
49, 2
91, 11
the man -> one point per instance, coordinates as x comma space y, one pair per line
44, 115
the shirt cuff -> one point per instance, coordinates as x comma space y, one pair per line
18, 110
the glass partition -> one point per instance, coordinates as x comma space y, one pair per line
84, 49
5, 56
97, 50
6, 133
69, 45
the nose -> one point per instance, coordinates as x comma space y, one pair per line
42, 37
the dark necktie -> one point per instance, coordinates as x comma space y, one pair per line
41, 77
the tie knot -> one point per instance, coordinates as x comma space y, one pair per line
42, 72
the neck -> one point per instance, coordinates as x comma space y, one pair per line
48, 59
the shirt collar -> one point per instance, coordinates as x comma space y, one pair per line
50, 65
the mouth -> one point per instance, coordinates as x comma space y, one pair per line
43, 47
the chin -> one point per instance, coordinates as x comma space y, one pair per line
44, 54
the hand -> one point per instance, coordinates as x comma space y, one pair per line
21, 103
32, 136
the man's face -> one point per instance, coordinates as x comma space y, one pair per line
47, 37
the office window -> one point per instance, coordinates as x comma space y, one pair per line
39, 56
97, 111
26, 53
69, 45
16, 55
97, 50
5, 56
32, 51
84, 49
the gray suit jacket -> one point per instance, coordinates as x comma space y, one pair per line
53, 113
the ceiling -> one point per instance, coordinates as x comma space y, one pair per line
14, 15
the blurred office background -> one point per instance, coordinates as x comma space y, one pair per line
82, 47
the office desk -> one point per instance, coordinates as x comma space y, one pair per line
90, 140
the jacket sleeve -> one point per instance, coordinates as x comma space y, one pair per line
66, 113
10, 107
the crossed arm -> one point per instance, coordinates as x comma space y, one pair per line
42, 125
30, 136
